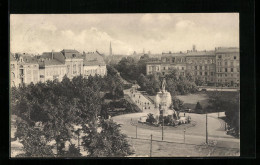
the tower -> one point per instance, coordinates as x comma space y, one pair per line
110, 49
193, 48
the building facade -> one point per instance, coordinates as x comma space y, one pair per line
24, 70
14, 76
219, 67
227, 66
93, 64
51, 66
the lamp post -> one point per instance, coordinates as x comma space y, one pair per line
184, 134
136, 131
206, 128
162, 124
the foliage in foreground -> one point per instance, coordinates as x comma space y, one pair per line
49, 111
105, 140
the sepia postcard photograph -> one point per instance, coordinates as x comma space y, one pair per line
124, 85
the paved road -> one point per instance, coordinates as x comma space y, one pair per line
193, 134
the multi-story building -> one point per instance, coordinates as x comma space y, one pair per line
50, 67
172, 61
219, 67
227, 66
201, 64
93, 64
14, 76
25, 69
74, 62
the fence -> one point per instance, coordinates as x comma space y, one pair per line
157, 148
152, 145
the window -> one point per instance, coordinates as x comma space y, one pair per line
225, 63
205, 67
235, 57
182, 68
231, 63
200, 67
231, 69
211, 73
200, 73
219, 56
163, 68
206, 73
225, 69
196, 68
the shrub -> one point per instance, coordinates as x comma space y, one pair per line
150, 119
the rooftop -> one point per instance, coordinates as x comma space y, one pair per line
70, 53
49, 62
93, 58
227, 50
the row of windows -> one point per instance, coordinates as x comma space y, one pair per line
220, 56
201, 61
226, 75
170, 68
227, 70
55, 72
204, 73
95, 71
225, 80
200, 67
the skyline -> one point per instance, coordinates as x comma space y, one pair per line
157, 33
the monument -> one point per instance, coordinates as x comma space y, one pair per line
163, 102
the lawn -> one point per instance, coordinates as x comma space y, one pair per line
190, 100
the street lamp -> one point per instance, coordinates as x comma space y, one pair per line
184, 134
162, 124
206, 128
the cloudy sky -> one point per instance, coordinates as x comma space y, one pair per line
157, 33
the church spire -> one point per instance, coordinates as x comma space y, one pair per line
110, 49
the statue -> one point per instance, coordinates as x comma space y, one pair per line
163, 84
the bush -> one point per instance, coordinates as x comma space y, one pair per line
198, 108
168, 120
150, 119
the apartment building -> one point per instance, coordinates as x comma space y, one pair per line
219, 67
25, 69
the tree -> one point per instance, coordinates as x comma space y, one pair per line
199, 81
198, 108
34, 141
73, 151
105, 140
177, 103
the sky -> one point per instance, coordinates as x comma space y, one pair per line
157, 33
